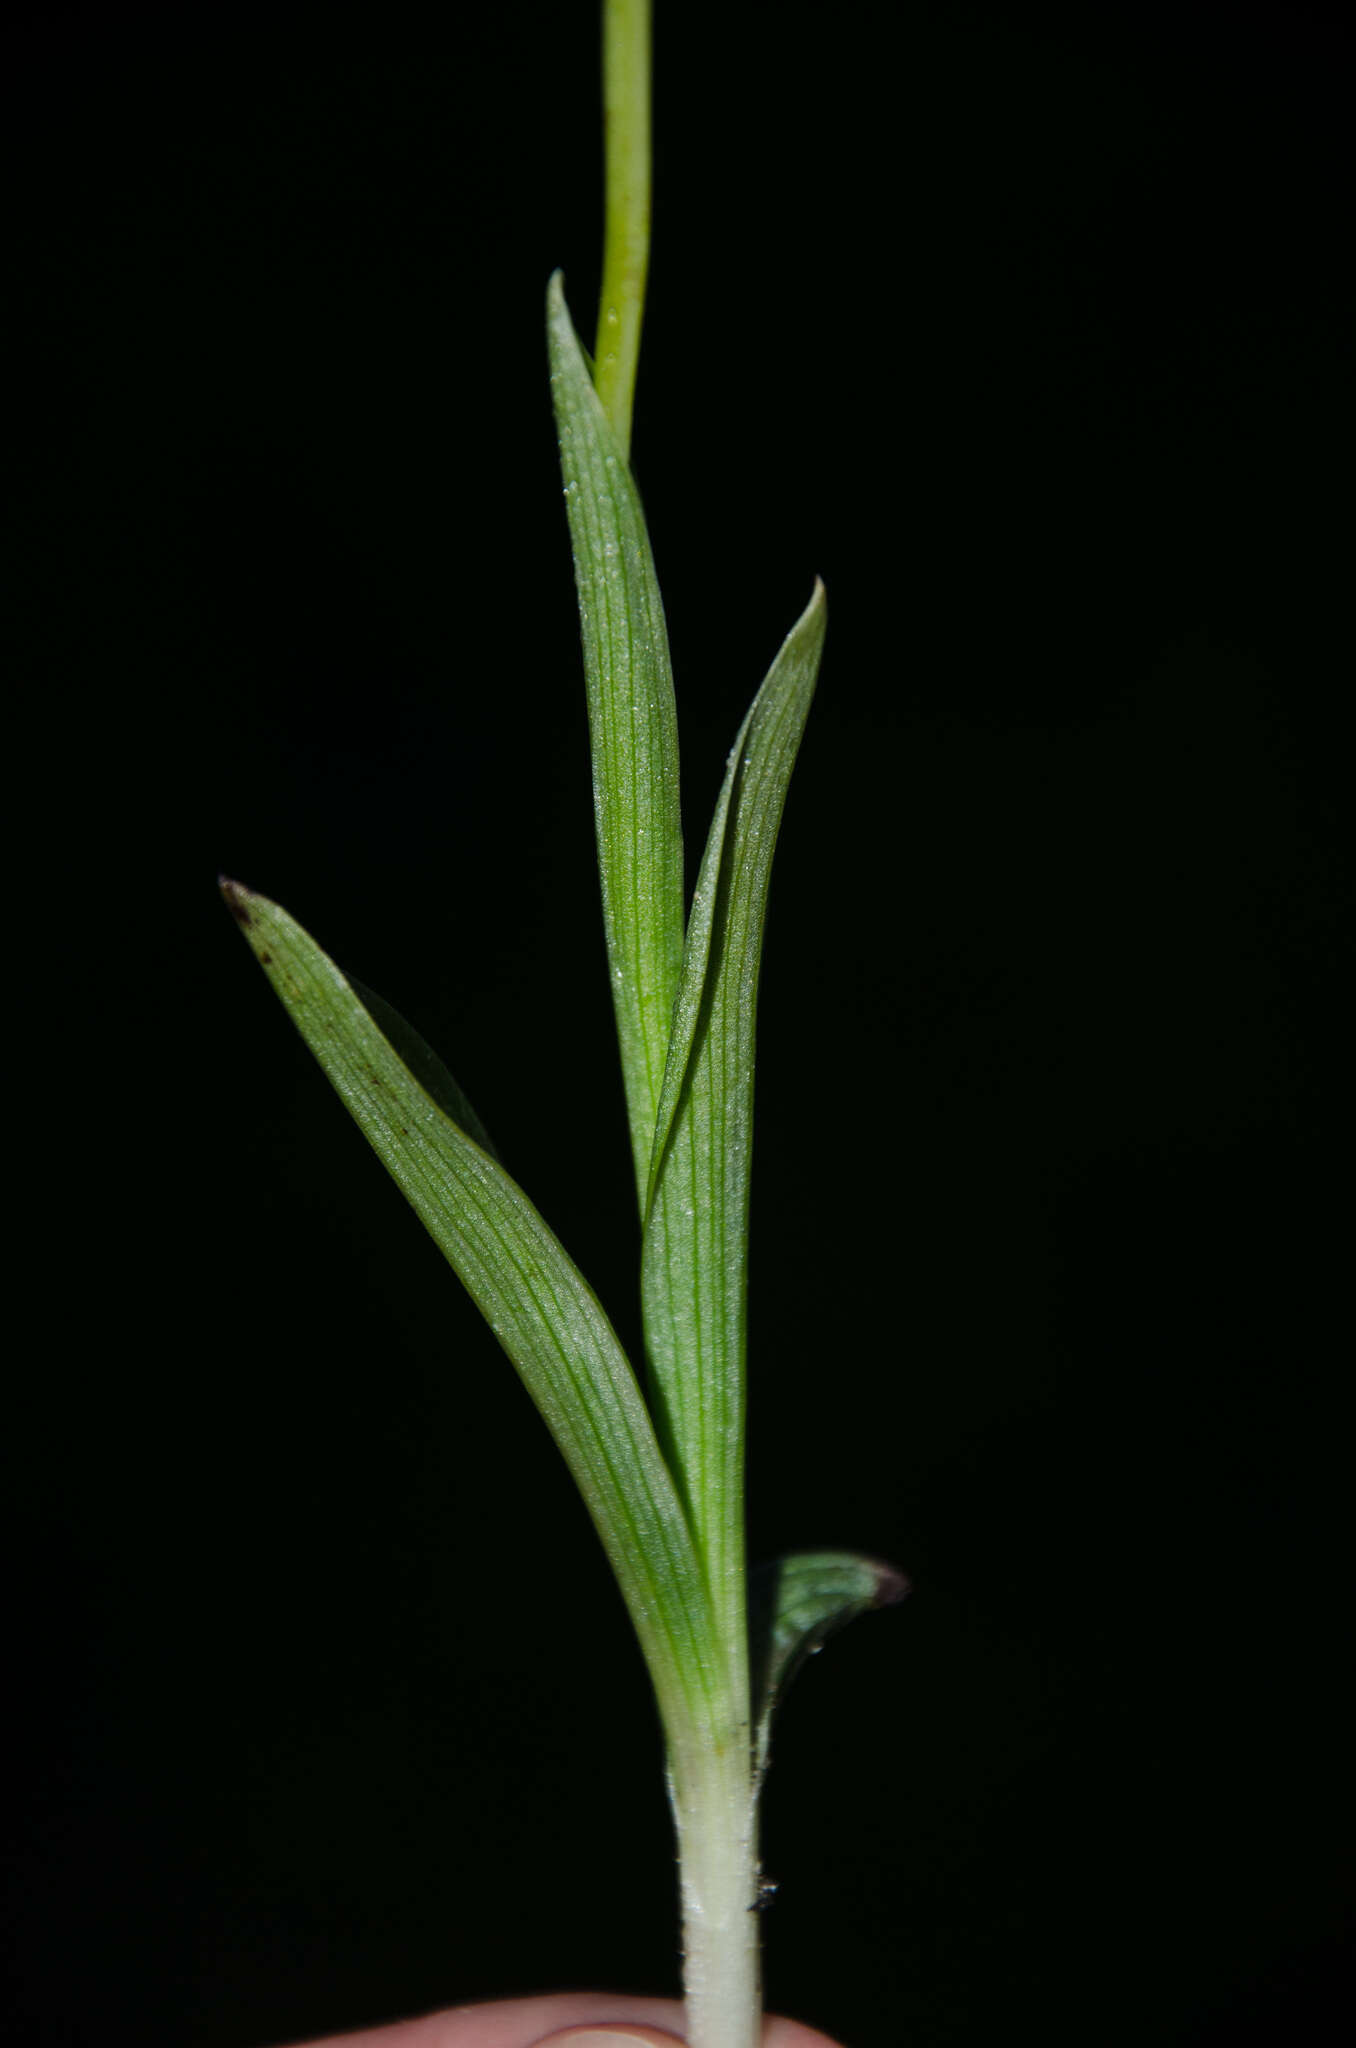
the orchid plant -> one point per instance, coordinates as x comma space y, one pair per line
661, 1470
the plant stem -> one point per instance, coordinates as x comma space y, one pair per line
626, 235
711, 1778
715, 1813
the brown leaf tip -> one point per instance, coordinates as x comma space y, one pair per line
236, 899
891, 1586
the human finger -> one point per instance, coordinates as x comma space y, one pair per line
563, 2020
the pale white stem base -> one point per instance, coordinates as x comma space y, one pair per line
715, 1814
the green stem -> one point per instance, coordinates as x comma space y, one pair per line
626, 238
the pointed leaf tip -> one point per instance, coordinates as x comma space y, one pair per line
235, 898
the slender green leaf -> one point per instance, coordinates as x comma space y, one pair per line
633, 729
694, 1258
795, 1605
541, 1309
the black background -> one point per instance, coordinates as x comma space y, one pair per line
1026, 329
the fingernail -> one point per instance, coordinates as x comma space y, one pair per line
604, 2037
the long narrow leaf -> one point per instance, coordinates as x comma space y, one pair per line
633, 728
694, 1259
541, 1309
795, 1605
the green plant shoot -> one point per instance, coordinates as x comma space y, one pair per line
661, 1471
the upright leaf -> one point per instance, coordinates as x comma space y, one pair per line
694, 1258
633, 729
543, 1312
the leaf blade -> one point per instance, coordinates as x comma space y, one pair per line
695, 1246
543, 1312
633, 728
